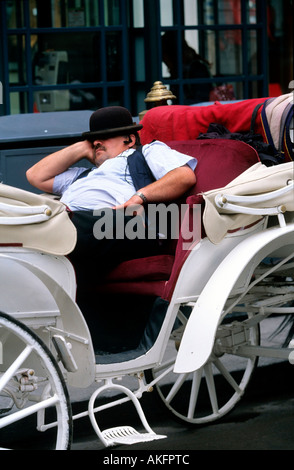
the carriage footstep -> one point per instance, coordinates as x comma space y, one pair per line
128, 435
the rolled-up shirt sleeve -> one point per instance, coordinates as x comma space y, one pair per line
65, 179
161, 159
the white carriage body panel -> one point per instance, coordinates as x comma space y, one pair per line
22, 293
204, 260
39, 290
234, 272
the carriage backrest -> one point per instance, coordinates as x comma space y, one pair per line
219, 162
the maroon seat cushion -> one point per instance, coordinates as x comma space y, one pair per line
142, 276
152, 268
143, 288
219, 161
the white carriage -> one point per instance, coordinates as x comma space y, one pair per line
208, 342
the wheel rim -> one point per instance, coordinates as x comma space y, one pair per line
209, 393
32, 392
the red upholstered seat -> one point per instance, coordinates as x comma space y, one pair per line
156, 268
219, 161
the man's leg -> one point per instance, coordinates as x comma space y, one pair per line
94, 257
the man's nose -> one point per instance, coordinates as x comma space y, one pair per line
98, 142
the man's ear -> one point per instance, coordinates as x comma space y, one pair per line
131, 140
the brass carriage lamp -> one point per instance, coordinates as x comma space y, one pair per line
159, 95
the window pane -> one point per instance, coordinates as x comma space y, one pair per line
226, 12
14, 12
175, 89
139, 95
221, 51
228, 52
255, 89
188, 65
52, 100
116, 96
65, 100
44, 14
251, 12
63, 13
76, 14
208, 48
88, 98
254, 65
112, 12
229, 11
192, 48
208, 12
66, 58
138, 13
170, 56
18, 103
16, 58
81, 13
226, 91
190, 13
166, 12
139, 59
114, 56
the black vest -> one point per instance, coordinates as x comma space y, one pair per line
139, 170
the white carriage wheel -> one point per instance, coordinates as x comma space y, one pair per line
25, 361
209, 393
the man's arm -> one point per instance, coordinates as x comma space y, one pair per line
42, 174
168, 188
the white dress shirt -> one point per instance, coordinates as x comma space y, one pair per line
111, 184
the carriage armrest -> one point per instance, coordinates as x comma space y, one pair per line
35, 221
255, 204
222, 199
256, 190
22, 215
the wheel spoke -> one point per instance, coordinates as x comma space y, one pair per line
15, 366
13, 418
226, 374
211, 387
176, 387
197, 375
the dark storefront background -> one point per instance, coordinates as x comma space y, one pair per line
62, 55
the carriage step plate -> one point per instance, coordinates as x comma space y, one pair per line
128, 435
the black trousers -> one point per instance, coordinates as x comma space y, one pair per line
114, 321
100, 247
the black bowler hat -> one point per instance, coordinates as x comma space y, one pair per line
109, 122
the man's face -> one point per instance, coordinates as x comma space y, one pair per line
108, 148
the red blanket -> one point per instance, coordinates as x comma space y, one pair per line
179, 122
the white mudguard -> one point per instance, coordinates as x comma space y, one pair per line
71, 323
199, 335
